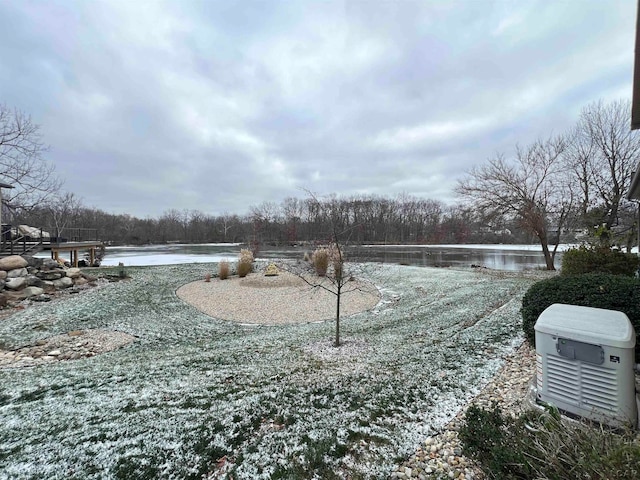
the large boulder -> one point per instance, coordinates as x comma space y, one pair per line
12, 262
64, 282
18, 272
17, 283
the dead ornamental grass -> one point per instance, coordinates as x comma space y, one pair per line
278, 300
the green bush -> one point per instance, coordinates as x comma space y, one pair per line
599, 290
540, 445
584, 259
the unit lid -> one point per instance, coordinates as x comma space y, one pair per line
587, 324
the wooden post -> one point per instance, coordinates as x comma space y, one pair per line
92, 256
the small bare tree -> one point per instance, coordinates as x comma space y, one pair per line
338, 278
21, 162
534, 188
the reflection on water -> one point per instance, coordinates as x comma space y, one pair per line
498, 257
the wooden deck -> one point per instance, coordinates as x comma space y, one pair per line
82, 239
74, 248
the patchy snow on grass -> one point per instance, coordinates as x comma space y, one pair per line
196, 396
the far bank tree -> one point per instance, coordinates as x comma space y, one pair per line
533, 186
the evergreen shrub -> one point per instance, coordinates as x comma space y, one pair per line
585, 259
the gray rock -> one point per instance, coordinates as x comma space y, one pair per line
32, 291
35, 262
33, 281
12, 262
3, 274
16, 283
17, 272
49, 264
50, 274
41, 298
64, 282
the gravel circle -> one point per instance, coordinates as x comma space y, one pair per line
277, 300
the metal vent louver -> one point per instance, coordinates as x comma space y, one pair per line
585, 358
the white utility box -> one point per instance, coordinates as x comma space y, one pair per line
585, 363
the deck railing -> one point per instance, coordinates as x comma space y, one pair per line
13, 242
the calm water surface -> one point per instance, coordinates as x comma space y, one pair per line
498, 257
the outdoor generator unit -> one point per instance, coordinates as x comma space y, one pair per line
585, 363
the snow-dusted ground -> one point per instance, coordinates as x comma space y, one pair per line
196, 395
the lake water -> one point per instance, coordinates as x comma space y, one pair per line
498, 257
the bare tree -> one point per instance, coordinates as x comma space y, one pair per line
62, 209
534, 188
21, 162
605, 153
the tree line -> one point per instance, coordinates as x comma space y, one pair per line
563, 188
359, 218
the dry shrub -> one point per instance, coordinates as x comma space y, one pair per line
320, 260
223, 270
245, 262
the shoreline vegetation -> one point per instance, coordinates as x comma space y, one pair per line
194, 395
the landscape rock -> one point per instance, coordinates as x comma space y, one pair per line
49, 264
33, 281
73, 272
80, 281
41, 298
1, 284
16, 283
50, 274
18, 272
32, 292
64, 282
3, 300
12, 262
3, 274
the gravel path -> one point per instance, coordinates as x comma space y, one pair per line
441, 455
277, 300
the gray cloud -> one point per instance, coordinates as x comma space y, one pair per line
218, 106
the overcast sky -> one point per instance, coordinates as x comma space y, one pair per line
221, 105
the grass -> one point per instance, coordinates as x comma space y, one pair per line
196, 395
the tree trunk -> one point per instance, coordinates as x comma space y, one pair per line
548, 258
338, 316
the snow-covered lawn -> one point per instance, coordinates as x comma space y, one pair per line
195, 395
